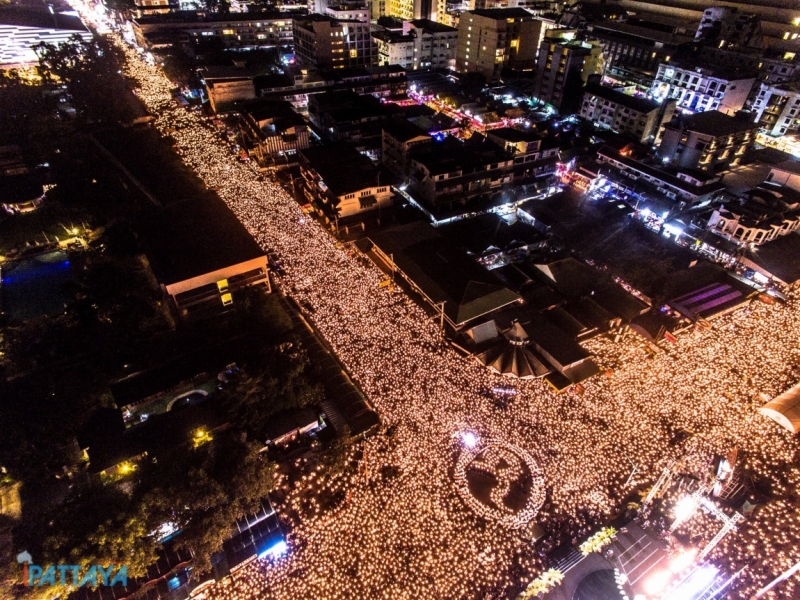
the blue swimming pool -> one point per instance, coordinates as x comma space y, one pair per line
33, 286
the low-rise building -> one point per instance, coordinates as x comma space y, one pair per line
786, 173
638, 44
399, 136
761, 215
274, 129
726, 27
241, 31
634, 116
565, 65
777, 108
686, 185
711, 141
341, 182
329, 43
445, 174
201, 254
348, 11
699, 88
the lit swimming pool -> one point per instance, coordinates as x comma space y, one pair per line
32, 286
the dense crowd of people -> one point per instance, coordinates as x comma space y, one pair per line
413, 535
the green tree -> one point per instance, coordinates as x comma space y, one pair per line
283, 383
91, 71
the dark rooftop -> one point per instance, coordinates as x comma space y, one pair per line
20, 188
780, 258
433, 26
713, 122
343, 168
453, 154
642, 105
193, 16
192, 238
402, 130
512, 134
501, 13
33, 17
443, 272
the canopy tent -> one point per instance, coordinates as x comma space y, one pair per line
785, 409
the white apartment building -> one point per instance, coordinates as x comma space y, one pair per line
698, 89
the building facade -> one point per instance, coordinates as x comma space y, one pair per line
763, 214
328, 43
422, 44
777, 108
636, 117
492, 39
699, 89
710, 141
341, 182
565, 65
241, 31
633, 49
398, 138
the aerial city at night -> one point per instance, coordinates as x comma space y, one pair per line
399, 300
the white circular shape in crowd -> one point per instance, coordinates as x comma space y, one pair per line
503, 461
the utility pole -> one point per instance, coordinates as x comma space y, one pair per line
441, 319
394, 268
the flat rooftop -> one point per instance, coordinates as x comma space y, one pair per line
23, 16
343, 168
713, 122
194, 237
642, 105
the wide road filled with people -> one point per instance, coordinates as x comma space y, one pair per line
408, 527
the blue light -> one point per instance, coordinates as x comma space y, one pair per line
275, 551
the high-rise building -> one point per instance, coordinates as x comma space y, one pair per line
421, 44
493, 38
414, 9
325, 42
565, 65
726, 27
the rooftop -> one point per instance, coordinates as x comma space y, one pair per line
713, 122
629, 29
444, 272
453, 154
642, 105
511, 134
660, 175
33, 17
433, 26
195, 237
403, 130
194, 16
780, 258
343, 168
501, 13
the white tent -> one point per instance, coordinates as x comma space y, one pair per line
785, 409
